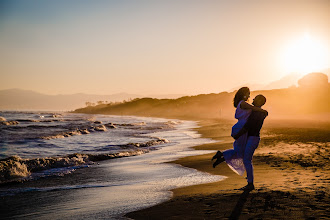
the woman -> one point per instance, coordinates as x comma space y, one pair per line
234, 157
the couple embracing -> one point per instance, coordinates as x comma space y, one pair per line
246, 133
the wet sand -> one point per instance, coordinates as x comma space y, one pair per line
292, 177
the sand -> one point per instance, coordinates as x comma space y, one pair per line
292, 176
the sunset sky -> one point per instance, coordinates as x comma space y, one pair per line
159, 47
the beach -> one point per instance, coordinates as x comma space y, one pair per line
177, 181
114, 109
125, 168
291, 169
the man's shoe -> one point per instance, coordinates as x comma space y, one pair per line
248, 187
219, 154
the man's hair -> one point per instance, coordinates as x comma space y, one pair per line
261, 98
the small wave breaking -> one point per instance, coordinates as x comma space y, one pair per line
15, 168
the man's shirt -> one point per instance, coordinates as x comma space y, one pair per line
254, 123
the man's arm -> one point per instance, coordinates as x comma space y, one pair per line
245, 105
240, 133
251, 123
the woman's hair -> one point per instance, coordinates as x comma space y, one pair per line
244, 91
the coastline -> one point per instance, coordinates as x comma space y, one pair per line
291, 179
284, 190
110, 188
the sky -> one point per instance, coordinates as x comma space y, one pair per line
159, 47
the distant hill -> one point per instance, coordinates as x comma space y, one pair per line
284, 82
17, 99
304, 99
293, 101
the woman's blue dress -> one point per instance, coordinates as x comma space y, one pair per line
234, 157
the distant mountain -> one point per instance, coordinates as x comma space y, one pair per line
168, 96
285, 82
308, 99
252, 87
17, 99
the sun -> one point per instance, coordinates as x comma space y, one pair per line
305, 55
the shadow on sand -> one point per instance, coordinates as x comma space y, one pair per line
239, 205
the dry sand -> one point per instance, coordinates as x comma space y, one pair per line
292, 176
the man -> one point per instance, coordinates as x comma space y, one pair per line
252, 127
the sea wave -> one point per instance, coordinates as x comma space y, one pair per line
9, 123
79, 131
15, 168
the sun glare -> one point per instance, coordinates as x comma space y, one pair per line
305, 55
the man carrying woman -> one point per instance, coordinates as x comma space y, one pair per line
246, 133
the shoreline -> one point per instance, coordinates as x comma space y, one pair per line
291, 177
282, 191
135, 182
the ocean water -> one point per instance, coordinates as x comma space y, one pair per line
60, 171
36, 141
52, 134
